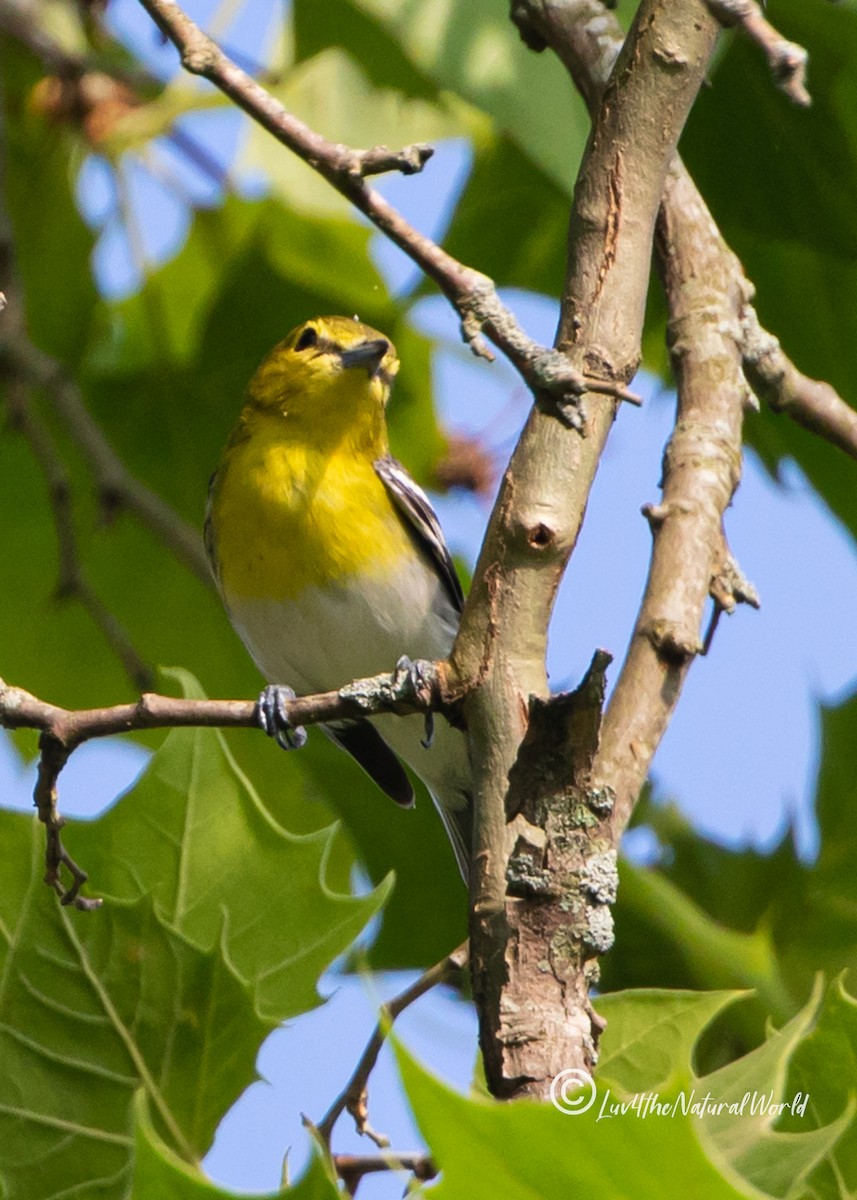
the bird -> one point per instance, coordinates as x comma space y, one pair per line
330, 560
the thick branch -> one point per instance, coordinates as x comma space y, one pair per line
472, 293
502, 641
702, 465
587, 39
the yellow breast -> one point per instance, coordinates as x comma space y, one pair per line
284, 518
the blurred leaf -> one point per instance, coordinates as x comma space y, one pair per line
193, 836
476, 53
709, 916
512, 220
781, 187
52, 243
333, 95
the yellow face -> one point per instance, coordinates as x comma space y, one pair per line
328, 369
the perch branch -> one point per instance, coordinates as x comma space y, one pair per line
353, 1097
472, 293
786, 60
62, 730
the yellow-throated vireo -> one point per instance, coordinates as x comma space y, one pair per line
330, 559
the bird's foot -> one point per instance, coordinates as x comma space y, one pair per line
409, 677
273, 716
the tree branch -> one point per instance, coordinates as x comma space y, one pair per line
786, 60
775, 379
353, 1168
354, 1095
62, 730
587, 39
472, 293
499, 654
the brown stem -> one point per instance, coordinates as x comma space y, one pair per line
535, 1023
786, 60
352, 1168
775, 379
353, 1097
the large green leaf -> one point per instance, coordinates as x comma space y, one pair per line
475, 52
528, 1152
332, 94
824, 1068
95, 1006
190, 834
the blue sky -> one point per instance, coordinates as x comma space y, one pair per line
739, 756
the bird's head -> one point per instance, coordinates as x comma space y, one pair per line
331, 371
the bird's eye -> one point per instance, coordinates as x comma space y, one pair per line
308, 338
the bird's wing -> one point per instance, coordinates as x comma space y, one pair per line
366, 746
422, 523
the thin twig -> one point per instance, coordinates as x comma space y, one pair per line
812, 403
354, 1095
786, 60
352, 1168
472, 293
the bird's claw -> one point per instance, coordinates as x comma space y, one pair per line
273, 716
409, 679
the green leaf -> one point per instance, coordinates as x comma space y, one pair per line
526, 1151
651, 1035
781, 186
824, 1068
775, 1161
332, 94
95, 1006
52, 243
194, 836
512, 219
159, 1173
476, 53
710, 916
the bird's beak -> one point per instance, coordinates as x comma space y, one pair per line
366, 354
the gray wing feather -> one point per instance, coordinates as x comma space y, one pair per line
421, 522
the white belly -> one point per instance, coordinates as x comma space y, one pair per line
326, 638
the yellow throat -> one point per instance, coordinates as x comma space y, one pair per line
296, 501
